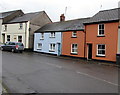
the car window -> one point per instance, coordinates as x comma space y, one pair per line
11, 43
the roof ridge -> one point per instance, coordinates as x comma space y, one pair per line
109, 9
10, 11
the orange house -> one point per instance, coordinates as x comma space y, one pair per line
102, 36
73, 40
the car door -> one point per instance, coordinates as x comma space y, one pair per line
6, 46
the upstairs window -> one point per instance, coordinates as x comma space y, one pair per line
5, 27
101, 49
74, 49
19, 38
52, 47
8, 38
74, 34
21, 26
42, 36
52, 35
101, 29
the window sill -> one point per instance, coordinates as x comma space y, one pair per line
100, 56
41, 39
100, 35
52, 37
39, 49
51, 50
74, 53
73, 37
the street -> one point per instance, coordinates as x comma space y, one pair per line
30, 72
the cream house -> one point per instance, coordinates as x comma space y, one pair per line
6, 17
21, 29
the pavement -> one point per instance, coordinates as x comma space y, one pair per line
40, 73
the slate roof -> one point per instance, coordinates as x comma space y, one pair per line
25, 17
105, 16
5, 14
70, 25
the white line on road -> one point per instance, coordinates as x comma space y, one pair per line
96, 78
54, 65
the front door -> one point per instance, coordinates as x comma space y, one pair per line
89, 52
59, 49
3, 38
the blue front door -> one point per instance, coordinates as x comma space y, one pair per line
59, 49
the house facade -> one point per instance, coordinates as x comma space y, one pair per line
21, 29
6, 17
73, 40
48, 42
102, 36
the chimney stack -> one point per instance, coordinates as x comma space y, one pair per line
62, 17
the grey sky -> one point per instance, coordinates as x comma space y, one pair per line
54, 8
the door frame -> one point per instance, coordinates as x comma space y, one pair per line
88, 47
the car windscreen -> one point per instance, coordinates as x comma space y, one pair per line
20, 44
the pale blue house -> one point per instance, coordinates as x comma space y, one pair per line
48, 39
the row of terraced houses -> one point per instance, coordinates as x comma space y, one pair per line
96, 37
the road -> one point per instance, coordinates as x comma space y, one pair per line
40, 73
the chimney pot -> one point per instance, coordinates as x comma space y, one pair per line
62, 17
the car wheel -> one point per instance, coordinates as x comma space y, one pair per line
13, 50
1, 49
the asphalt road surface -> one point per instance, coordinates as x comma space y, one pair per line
41, 73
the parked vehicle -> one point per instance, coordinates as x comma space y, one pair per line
13, 46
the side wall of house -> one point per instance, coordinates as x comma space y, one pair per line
36, 23
46, 42
110, 40
68, 40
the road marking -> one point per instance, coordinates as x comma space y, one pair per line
54, 65
96, 78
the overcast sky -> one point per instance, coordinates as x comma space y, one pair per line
54, 8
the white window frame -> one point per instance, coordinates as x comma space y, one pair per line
39, 46
41, 36
51, 47
20, 25
8, 38
72, 49
52, 35
101, 49
20, 39
101, 30
74, 34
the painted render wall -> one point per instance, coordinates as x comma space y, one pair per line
0, 28
119, 41
68, 40
110, 39
14, 31
47, 40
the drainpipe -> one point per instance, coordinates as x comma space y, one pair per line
84, 31
25, 33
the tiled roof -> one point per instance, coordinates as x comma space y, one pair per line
5, 14
105, 15
70, 25
25, 17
